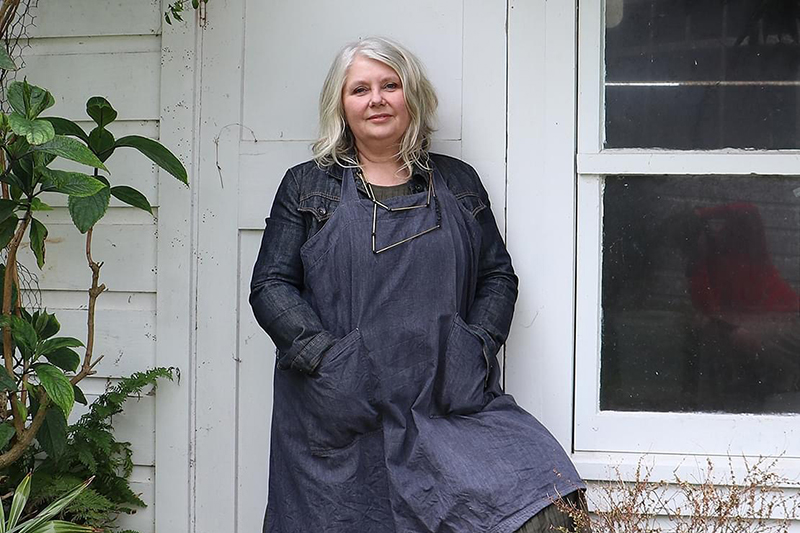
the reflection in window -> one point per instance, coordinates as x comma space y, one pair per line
702, 74
701, 294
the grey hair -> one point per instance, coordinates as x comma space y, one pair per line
336, 144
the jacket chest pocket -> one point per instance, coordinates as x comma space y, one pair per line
317, 209
471, 203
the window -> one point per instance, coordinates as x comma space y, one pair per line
702, 74
688, 296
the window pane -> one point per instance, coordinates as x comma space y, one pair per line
702, 74
700, 294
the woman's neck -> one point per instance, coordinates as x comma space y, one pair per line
382, 168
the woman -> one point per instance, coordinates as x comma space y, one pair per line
387, 289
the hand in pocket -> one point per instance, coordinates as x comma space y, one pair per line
338, 397
461, 373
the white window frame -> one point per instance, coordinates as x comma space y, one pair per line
703, 434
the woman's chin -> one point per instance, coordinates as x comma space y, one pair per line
379, 137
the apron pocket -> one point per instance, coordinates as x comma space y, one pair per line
338, 397
460, 386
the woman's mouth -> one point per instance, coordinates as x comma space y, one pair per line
379, 118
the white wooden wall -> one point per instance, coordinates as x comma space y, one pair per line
115, 49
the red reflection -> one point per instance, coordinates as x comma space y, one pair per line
732, 270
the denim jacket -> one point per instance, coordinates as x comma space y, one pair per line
306, 198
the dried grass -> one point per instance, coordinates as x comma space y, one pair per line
761, 501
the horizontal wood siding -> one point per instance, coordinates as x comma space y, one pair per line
79, 49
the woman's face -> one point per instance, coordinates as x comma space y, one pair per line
374, 103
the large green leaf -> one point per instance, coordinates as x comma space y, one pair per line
57, 386
52, 436
41, 99
6, 63
38, 233
86, 211
15, 97
39, 320
19, 501
7, 229
157, 153
28, 100
23, 332
101, 142
64, 126
50, 328
51, 345
131, 196
71, 183
69, 148
101, 111
6, 432
35, 131
7, 208
64, 358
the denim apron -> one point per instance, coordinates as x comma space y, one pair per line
404, 427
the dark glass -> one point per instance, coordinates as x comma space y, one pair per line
733, 66
701, 294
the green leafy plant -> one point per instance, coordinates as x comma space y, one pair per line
92, 450
36, 361
43, 521
39, 381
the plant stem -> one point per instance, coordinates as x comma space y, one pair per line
25, 438
94, 291
7, 12
8, 283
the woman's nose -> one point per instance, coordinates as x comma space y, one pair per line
375, 98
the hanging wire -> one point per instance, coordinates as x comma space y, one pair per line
16, 22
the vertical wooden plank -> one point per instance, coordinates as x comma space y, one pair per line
591, 105
255, 392
215, 432
174, 300
541, 208
483, 133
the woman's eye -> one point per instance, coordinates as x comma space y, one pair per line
359, 90
392, 85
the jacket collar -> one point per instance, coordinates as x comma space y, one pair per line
337, 172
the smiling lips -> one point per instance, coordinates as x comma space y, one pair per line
379, 117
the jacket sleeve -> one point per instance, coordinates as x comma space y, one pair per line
277, 281
496, 290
